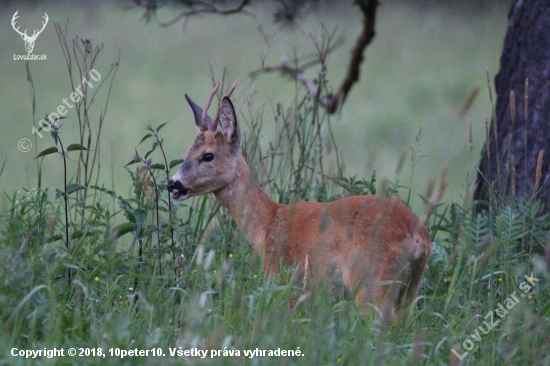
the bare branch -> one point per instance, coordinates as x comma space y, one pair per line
332, 102
208, 8
368, 8
305, 62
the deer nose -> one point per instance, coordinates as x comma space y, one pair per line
176, 186
171, 185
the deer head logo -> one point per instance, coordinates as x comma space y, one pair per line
29, 40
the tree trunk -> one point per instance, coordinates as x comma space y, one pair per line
509, 166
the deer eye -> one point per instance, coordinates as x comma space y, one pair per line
208, 157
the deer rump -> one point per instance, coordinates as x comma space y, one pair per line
378, 259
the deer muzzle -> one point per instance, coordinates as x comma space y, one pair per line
179, 192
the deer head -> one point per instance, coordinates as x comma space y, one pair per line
211, 162
29, 40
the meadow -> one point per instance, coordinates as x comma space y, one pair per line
115, 265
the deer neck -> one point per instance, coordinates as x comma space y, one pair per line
250, 207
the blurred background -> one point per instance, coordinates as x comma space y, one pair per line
426, 58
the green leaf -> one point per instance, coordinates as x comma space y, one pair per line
157, 166
133, 161
175, 162
27, 297
77, 234
54, 238
58, 193
122, 229
145, 138
3, 166
384, 283
161, 126
155, 144
54, 136
74, 187
48, 151
73, 147
105, 190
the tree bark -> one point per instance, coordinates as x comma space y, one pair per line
520, 127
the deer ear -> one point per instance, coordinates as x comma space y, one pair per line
228, 122
197, 112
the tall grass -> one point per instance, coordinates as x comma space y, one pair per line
179, 276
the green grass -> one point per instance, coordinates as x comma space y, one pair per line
216, 297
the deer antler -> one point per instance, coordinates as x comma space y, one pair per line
13, 19
215, 123
231, 90
208, 102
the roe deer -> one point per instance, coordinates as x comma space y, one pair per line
378, 245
